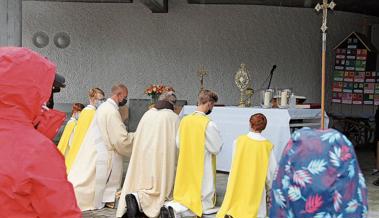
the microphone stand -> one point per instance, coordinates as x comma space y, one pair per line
271, 74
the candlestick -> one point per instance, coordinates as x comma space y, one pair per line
267, 99
283, 99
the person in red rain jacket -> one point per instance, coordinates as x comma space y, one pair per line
33, 180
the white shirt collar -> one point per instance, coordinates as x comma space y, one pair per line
113, 103
199, 112
90, 106
256, 136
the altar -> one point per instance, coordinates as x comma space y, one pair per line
234, 121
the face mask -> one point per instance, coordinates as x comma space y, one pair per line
99, 102
208, 112
76, 116
123, 102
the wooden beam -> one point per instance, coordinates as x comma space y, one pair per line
156, 6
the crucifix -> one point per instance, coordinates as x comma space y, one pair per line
324, 7
201, 73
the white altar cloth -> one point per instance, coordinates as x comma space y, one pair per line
234, 121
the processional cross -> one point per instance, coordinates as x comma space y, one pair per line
201, 73
324, 7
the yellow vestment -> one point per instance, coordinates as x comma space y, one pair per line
190, 169
247, 178
85, 119
66, 135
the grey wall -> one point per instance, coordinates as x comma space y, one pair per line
127, 43
10, 22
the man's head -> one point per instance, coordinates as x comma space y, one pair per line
206, 100
168, 96
120, 94
258, 122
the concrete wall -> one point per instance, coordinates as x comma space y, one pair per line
127, 43
10, 22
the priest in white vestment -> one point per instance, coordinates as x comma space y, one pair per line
97, 172
151, 172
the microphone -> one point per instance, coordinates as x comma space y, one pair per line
271, 74
273, 69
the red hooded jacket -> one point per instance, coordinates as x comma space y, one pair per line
33, 180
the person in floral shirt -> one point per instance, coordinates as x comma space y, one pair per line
318, 177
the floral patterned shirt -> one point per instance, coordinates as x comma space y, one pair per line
318, 177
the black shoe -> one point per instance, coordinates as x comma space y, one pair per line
164, 213
376, 182
171, 212
132, 206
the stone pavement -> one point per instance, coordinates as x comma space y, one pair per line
366, 161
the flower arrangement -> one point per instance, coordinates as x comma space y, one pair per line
156, 90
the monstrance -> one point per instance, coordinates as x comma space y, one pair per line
242, 80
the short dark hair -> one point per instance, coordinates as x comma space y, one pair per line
77, 107
168, 96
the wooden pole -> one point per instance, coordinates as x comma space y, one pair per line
324, 7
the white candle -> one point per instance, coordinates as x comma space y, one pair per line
283, 99
267, 99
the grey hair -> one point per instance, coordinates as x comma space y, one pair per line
168, 96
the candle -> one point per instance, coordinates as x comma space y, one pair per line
283, 99
267, 99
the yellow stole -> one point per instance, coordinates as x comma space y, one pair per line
65, 138
190, 169
85, 119
247, 178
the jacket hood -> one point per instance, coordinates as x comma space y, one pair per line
26, 80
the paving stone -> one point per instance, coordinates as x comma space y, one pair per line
366, 160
